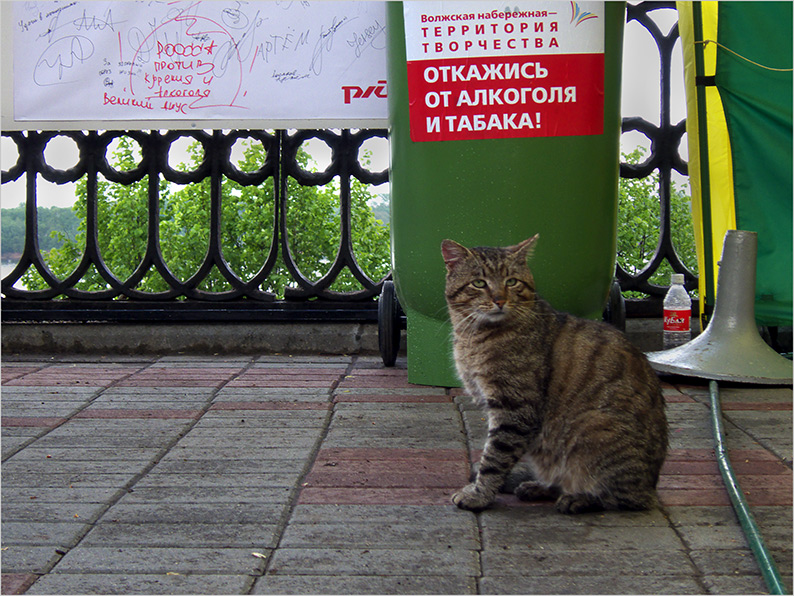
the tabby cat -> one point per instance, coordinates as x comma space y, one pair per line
572, 395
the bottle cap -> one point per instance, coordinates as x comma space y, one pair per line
677, 278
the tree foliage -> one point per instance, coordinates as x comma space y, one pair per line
50, 220
639, 224
247, 228
313, 227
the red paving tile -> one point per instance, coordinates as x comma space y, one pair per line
30, 421
294, 383
709, 481
673, 395
691, 477
678, 398
381, 476
367, 381
383, 454
60, 381
271, 405
712, 498
390, 398
288, 377
711, 467
17, 583
343, 476
14, 372
180, 377
297, 372
762, 407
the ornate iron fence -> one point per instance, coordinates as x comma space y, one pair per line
665, 140
305, 299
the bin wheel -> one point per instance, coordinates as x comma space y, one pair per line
388, 324
615, 312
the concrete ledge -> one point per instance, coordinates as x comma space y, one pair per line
234, 338
197, 338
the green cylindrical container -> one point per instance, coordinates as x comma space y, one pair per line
497, 192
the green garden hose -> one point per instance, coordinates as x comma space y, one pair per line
768, 568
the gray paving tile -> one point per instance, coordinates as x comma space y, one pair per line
582, 538
199, 452
725, 561
195, 513
126, 583
33, 511
234, 491
63, 535
263, 419
379, 514
39, 494
538, 562
343, 534
61, 409
29, 559
179, 535
273, 394
352, 584
261, 441
543, 515
43, 466
65, 481
176, 464
157, 560
94, 454
739, 584
596, 584
379, 562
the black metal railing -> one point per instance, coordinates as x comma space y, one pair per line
245, 298
664, 157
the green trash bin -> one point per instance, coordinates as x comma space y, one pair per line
552, 175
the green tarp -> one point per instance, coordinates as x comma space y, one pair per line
754, 78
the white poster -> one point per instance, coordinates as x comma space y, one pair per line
215, 60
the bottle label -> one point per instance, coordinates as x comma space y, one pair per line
676, 320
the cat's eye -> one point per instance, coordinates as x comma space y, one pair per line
479, 283
511, 282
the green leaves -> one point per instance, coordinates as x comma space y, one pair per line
247, 231
639, 224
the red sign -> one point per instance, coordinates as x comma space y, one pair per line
537, 71
507, 97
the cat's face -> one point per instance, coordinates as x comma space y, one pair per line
488, 286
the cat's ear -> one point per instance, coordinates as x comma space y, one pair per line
525, 249
453, 253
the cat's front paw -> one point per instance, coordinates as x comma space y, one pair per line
535, 491
472, 498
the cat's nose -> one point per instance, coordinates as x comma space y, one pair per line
500, 302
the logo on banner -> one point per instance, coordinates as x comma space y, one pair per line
353, 92
536, 71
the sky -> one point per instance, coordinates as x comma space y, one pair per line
640, 97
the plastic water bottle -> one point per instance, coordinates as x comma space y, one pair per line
677, 313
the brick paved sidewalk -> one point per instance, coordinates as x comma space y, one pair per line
276, 475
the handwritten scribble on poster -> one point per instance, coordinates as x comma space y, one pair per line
147, 60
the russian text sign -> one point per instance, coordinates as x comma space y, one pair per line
133, 60
475, 72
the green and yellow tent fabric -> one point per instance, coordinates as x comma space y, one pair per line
738, 80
